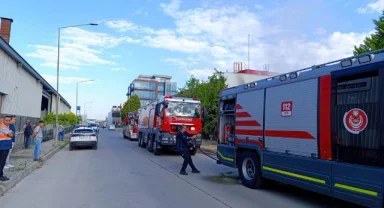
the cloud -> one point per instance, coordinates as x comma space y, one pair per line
216, 36
121, 25
181, 63
64, 80
201, 73
79, 48
377, 6
258, 6
141, 11
119, 69
320, 31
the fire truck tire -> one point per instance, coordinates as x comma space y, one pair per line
150, 145
143, 144
139, 140
250, 170
156, 151
193, 152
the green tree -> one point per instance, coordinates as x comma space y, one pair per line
132, 104
208, 93
375, 41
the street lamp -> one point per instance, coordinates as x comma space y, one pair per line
77, 90
57, 82
85, 108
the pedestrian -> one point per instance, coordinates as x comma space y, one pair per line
61, 133
37, 137
28, 132
5, 144
13, 129
182, 142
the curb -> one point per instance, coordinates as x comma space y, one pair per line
208, 151
16, 178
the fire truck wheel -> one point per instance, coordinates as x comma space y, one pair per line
193, 152
250, 170
139, 141
156, 150
143, 144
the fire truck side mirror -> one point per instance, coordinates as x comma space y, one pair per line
205, 112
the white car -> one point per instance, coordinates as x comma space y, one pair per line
111, 127
83, 137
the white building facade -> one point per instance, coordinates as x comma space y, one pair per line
23, 92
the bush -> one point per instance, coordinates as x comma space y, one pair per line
65, 119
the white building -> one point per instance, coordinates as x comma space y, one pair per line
240, 75
23, 91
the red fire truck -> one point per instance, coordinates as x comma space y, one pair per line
130, 131
159, 122
319, 128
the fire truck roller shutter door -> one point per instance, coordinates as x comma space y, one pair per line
291, 115
249, 117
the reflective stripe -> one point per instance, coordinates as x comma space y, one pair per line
355, 189
316, 180
225, 158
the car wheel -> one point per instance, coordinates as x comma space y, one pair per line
95, 147
250, 170
70, 148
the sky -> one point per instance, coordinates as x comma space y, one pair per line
178, 38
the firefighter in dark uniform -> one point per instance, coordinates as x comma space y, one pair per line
183, 144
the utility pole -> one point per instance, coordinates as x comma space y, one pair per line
249, 41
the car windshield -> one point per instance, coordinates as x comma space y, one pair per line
84, 131
183, 109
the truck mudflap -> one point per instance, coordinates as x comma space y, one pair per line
226, 155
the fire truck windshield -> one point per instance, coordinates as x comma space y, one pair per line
183, 109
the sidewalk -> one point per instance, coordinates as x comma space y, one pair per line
24, 164
209, 147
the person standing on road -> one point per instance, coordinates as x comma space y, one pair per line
182, 142
5, 144
13, 129
37, 137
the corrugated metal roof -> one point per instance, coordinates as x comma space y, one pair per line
19, 59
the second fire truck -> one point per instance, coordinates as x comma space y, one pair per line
130, 131
159, 122
320, 129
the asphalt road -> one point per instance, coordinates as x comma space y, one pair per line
121, 174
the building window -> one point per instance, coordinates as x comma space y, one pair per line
144, 85
151, 95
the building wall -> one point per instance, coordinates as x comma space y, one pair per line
150, 89
235, 79
21, 92
62, 108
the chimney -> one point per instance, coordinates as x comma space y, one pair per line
5, 28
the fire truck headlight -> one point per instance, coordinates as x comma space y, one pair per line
193, 128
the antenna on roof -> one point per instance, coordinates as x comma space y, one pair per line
249, 40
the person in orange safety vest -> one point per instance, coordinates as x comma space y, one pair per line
5, 144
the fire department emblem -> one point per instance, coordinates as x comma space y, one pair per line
355, 120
